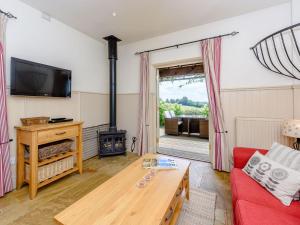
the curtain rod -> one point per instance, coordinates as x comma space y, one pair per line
186, 43
8, 14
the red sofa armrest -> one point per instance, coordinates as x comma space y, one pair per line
242, 155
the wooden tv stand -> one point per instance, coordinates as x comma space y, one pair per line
36, 135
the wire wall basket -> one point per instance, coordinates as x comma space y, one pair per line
280, 52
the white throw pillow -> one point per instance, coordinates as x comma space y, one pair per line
280, 181
167, 115
285, 156
172, 113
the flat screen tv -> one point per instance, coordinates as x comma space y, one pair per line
35, 79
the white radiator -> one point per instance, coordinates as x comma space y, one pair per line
259, 132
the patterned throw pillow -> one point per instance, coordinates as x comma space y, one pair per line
287, 157
279, 180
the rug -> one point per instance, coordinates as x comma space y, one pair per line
185, 147
199, 210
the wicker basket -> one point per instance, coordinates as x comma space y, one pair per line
51, 149
34, 121
52, 169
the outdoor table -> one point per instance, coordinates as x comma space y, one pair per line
192, 124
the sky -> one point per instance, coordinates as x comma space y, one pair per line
195, 91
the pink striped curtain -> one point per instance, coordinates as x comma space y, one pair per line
143, 104
5, 170
211, 54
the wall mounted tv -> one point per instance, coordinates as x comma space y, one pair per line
35, 79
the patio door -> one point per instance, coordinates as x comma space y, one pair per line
185, 139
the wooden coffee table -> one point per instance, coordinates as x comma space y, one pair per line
119, 201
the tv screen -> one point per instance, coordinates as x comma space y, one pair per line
34, 79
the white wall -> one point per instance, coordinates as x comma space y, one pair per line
295, 11
54, 43
239, 66
240, 69
33, 38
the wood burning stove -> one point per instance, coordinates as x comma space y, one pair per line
113, 141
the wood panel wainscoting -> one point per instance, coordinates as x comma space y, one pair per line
119, 201
36, 135
280, 102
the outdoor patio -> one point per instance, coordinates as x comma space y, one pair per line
184, 146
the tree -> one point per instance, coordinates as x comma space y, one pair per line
184, 101
204, 110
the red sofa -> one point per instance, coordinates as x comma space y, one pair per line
254, 205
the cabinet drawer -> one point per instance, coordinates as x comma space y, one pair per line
57, 134
169, 214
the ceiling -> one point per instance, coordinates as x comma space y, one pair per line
142, 19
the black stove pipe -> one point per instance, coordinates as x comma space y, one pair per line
113, 57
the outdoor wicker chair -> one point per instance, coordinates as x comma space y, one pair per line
173, 125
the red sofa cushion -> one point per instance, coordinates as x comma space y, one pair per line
245, 188
248, 213
242, 155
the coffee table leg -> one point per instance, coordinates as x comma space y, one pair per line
187, 189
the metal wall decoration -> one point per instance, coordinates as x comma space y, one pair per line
275, 55
8, 14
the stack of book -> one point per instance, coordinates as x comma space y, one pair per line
159, 163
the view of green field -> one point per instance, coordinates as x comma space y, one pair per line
180, 109
183, 97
